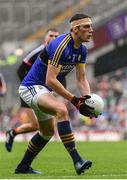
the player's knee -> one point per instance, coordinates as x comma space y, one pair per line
62, 111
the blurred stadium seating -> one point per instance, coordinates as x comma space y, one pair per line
19, 19
22, 27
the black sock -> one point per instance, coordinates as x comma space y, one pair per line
67, 137
36, 144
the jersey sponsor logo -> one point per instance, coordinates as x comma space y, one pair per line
67, 68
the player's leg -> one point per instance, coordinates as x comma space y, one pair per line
47, 103
67, 136
30, 96
23, 128
31, 126
35, 145
64, 130
39, 140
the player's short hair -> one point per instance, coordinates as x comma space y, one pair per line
51, 29
79, 16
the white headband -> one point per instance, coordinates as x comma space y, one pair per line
79, 22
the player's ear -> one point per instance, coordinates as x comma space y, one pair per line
75, 29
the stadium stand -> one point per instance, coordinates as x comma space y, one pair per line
19, 19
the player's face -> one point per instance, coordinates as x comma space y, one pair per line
50, 36
84, 32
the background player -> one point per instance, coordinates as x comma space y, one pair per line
23, 69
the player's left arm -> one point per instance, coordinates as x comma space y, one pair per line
82, 81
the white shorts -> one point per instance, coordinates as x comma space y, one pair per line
30, 95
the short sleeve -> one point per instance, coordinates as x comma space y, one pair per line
56, 49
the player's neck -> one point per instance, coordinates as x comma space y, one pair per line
77, 41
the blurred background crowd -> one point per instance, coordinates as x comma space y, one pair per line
23, 25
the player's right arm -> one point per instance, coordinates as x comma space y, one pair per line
51, 81
56, 56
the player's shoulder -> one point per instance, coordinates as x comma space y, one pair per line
60, 38
33, 53
35, 50
84, 46
39, 48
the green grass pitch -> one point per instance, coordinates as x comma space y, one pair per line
109, 161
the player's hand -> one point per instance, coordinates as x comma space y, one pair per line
84, 109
